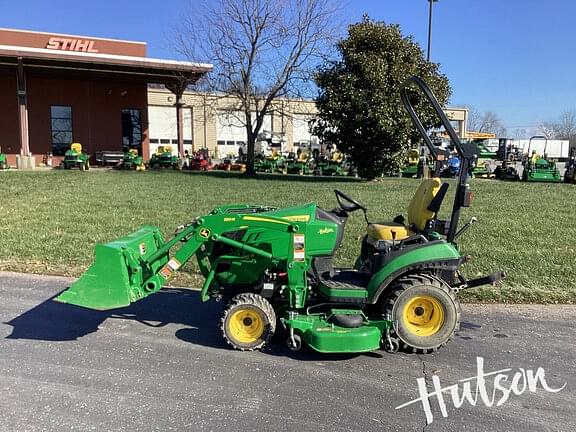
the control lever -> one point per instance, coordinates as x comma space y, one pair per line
467, 225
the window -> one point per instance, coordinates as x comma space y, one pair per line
61, 125
131, 130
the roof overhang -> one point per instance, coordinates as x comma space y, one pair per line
141, 69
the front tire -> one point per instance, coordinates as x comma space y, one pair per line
425, 310
248, 322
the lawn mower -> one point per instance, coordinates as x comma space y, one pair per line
299, 165
76, 158
3, 161
332, 166
163, 158
132, 161
200, 161
275, 265
271, 163
485, 156
540, 169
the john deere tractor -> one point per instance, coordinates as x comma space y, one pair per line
76, 158
273, 267
132, 161
163, 158
540, 169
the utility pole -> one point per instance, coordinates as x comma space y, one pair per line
430, 2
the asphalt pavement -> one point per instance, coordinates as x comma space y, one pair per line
161, 365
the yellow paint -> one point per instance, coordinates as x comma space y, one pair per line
326, 230
261, 219
298, 218
423, 315
384, 231
245, 326
229, 219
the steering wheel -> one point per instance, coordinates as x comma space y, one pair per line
349, 204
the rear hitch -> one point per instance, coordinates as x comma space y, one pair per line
491, 279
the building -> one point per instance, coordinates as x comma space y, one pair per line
108, 95
216, 122
56, 89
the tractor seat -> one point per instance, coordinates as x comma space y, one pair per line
303, 158
76, 147
337, 157
421, 213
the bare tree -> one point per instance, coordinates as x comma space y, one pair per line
564, 128
261, 50
487, 122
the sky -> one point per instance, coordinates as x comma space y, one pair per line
516, 58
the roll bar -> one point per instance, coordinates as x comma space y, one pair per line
540, 137
467, 156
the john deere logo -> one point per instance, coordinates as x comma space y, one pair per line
204, 233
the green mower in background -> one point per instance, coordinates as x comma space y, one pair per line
132, 161
3, 161
274, 267
540, 169
76, 158
299, 165
163, 158
485, 157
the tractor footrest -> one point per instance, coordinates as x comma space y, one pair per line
347, 286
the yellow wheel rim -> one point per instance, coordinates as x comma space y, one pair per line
423, 315
246, 326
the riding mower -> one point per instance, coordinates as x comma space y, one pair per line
163, 158
3, 161
270, 163
132, 161
76, 158
299, 165
333, 166
540, 169
274, 265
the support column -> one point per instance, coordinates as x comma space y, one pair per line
178, 89
22, 109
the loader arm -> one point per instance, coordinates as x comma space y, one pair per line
131, 268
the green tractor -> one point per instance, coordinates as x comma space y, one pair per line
275, 265
331, 166
540, 169
3, 161
132, 161
272, 163
485, 157
76, 158
299, 165
163, 158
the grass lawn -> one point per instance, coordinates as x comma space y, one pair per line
50, 221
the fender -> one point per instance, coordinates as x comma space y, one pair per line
433, 255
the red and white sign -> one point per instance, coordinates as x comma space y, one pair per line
65, 44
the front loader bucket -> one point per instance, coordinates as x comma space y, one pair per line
117, 276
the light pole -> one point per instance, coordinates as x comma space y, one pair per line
431, 2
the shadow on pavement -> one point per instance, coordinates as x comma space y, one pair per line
53, 321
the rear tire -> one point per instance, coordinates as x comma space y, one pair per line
248, 322
425, 310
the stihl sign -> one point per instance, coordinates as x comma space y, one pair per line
64, 44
